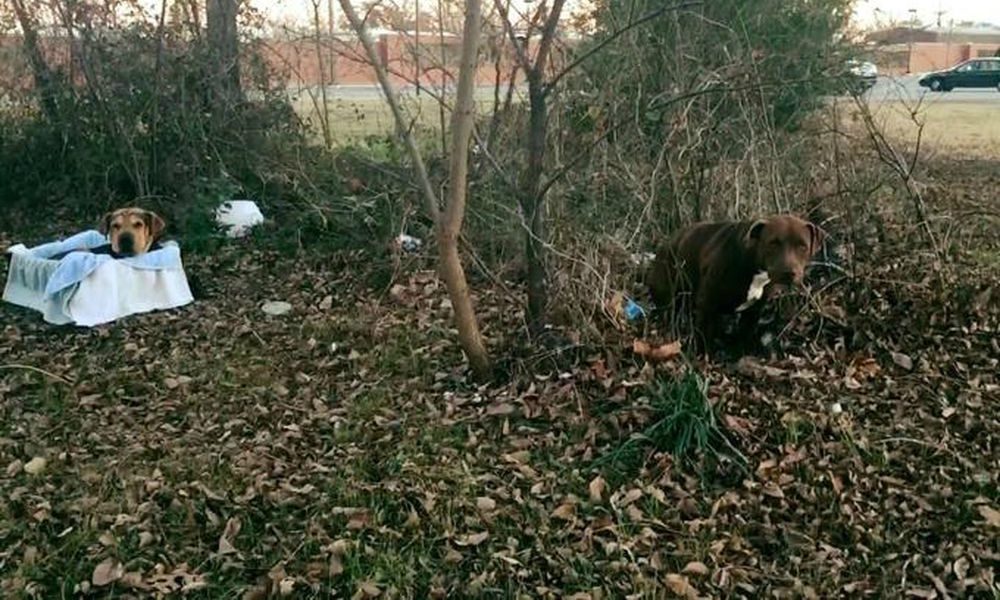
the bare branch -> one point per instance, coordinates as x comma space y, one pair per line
600, 46
430, 197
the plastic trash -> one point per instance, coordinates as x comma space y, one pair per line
408, 243
238, 217
276, 308
633, 310
641, 259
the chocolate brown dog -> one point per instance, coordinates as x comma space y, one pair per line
716, 262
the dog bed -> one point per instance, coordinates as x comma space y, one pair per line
90, 289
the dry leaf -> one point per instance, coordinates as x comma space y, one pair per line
358, 520
566, 512
370, 590
657, 353
991, 515
336, 566
680, 586
695, 568
473, 539
107, 572
485, 504
597, 486
35, 466
902, 360
229, 536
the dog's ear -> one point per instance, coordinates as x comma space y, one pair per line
105, 225
154, 223
756, 229
816, 237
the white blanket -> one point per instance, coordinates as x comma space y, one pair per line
88, 289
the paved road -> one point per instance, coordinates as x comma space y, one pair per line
906, 88
888, 89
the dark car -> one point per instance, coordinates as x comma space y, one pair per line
974, 73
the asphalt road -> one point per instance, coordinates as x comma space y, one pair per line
888, 89
906, 89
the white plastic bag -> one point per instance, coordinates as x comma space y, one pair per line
238, 217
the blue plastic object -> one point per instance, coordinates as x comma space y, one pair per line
633, 311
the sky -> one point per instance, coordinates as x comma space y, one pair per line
868, 13
873, 12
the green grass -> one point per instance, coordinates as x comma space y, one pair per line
684, 425
354, 119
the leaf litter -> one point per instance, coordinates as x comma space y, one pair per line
218, 452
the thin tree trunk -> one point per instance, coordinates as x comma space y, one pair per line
449, 223
533, 205
223, 39
42, 74
449, 227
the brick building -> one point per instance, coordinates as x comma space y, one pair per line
921, 49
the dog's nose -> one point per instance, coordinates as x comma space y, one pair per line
787, 276
126, 243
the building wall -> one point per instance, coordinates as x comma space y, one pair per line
346, 63
921, 57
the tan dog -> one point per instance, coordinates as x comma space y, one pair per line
132, 231
716, 262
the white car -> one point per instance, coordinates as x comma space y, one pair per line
864, 73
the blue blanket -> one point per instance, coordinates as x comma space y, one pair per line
75, 266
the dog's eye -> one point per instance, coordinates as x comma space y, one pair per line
138, 224
775, 242
116, 226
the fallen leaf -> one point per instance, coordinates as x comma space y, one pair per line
680, 585
336, 566
473, 539
485, 504
902, 360
597, 486
657, 353
229, 536
107, 572
566, 512
370, 590
35, 466
991, 515
695, 568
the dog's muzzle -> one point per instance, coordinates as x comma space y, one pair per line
126, 243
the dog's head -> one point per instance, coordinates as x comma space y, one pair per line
132, 230
783, 245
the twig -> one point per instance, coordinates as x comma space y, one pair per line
617, 34
58, 378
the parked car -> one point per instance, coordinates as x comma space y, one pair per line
863, 75
973, 73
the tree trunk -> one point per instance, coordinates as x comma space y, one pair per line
450, 225
533, 204
44, 79
449, 221
223, 40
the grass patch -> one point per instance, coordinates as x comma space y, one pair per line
685, 425
968, 129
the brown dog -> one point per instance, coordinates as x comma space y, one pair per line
132, 231
716, 262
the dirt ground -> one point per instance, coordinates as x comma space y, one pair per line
341, 449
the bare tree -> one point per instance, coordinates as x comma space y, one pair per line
223, 39
542, 81
449, 222
43, 76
